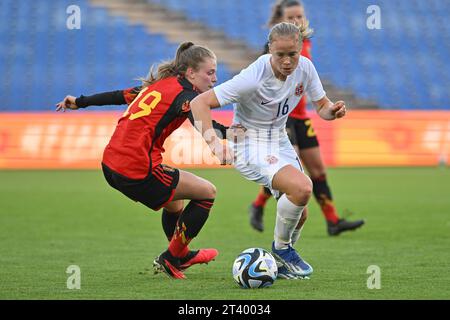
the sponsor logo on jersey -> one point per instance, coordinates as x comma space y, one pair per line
266, 102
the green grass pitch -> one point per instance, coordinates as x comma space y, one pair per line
52, 219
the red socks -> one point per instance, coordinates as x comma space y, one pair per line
261, 199
329, 210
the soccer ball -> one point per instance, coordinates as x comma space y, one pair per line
255, 268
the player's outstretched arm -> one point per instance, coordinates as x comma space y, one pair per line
328, 110
67, 103
117, 97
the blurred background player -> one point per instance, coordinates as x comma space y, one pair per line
132, 159
304, 140
263, 95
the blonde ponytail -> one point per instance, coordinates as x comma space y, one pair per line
305, 31
188, 55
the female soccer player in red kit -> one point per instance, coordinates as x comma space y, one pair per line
132, 161
304, 140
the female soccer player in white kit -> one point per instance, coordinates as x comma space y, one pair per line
263, 95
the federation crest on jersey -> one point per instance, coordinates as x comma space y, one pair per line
299, 90
271, 159
186, 107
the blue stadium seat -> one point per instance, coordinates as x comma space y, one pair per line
44, 61
403, 65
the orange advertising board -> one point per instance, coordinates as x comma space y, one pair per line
393, 138
363, 138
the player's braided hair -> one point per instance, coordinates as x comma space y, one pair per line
188, 55
285, 29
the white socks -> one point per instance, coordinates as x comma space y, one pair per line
288, 215
296, 235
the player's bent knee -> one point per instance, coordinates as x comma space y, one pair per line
305, 193
211, 191
301, 194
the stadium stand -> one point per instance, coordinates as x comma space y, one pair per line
42, 60
404, 65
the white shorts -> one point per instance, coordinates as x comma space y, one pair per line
259, 159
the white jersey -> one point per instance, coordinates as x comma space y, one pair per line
261, 101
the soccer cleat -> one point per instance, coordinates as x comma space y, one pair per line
169, 265
256, 217
342, 225
198, 256
291, 260
284, 273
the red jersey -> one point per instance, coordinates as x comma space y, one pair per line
136, 146
300, 110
